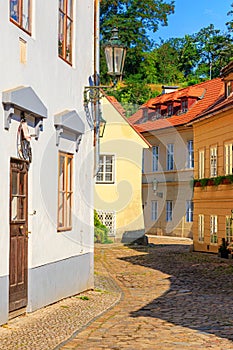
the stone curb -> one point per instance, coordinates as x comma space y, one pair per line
116, 302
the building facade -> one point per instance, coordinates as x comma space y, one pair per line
46, 208
118, 185
213, 185
169, 164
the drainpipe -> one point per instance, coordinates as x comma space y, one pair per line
96, 103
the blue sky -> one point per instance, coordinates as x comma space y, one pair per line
191, 16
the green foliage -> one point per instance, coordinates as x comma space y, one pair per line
133, 94
177, 61
135, 20
204, 182
100, 231
84, 297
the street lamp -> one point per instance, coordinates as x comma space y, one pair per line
115, 56
115, 53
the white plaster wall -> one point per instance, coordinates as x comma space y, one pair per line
60, 87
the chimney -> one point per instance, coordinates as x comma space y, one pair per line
166, 89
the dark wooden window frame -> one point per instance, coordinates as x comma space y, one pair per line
67, 193
64, 48
19, 22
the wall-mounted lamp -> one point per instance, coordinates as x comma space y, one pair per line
115, 53
115, 56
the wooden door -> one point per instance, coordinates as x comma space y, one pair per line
18, 234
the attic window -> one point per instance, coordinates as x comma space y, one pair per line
228, 88
157, 114
170, 110
184, 106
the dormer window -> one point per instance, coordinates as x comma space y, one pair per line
158, 112
228, 88
184, 106
170, 110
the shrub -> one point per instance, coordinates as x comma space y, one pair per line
100, 231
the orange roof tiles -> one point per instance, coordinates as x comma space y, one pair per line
208, 92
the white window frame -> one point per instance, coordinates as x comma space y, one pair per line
170, 156
228, 158
201, 164
201, 227
213, 229
190, 161
154, 210
103, 165
155, 158
213, 161
229, 229
169, 211
189, 211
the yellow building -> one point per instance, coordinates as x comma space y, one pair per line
213, 186
169, 163
119, 180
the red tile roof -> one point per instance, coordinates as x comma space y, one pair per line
221, 105
207, 93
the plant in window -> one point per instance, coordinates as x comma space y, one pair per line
204, 182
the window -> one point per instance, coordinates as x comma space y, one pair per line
229, 236
190, 161
213, 229
22, 51
108, 218
169, 206
201, 228
184, 106
106, 169
213, 161
155, 158
201, 165
65, 28
169, 110
65, 192
228, 158
154, 210
189, 211
170, 156
228, 88
20, 14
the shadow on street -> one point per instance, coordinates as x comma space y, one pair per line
201, 288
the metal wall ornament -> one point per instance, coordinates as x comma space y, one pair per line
23, 142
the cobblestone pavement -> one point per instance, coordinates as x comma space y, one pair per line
172, 299
48, 327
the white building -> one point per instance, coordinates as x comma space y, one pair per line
46, 210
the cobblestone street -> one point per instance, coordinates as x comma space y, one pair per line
157, 297
173, 299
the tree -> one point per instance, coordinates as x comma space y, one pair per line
135, 19
215, 50
230, 23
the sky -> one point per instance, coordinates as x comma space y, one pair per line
191, 16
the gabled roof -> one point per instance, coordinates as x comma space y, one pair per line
207, 94
121, 111
221, 105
